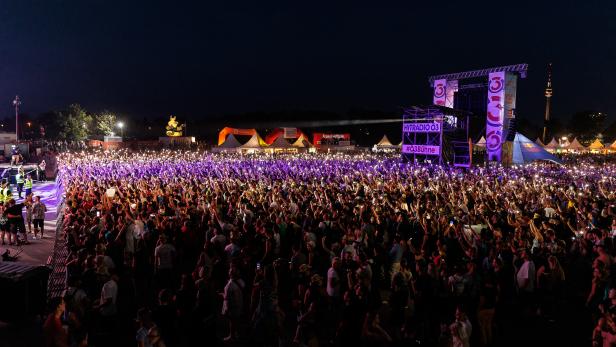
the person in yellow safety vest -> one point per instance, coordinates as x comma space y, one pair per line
19, 179
28, 185
5, 192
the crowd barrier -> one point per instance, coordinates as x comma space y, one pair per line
57, 279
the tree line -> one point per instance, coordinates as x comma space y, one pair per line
76, 123
71, 124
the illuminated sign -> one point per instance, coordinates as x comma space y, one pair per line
421, 149
440, 92
422, 127
496, 115
334, 136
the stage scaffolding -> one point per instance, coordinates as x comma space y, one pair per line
436, 134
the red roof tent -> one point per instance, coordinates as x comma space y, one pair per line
318, 137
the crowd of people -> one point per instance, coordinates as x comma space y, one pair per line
173, 248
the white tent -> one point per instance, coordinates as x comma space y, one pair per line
575, 146
254, 144
230, 144
280, 142
481, 143
539, 142
564, 142
384, 142
384, 145
552, 146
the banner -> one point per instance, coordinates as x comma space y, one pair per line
421, 149
511, 84
495, 115
290, 133
440, 92
452, 88
421, 127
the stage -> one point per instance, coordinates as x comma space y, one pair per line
39, 250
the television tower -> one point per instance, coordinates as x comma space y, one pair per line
548, 99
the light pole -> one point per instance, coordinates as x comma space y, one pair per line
16, 103
121, 126
29, 124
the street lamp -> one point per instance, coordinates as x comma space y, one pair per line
121, 126
16, 103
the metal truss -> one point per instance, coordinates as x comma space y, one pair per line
522, 69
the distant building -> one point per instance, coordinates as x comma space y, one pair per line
7, 137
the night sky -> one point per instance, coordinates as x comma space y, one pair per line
150, 58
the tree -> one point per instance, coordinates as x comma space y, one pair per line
73, 123
49, 121
587, 124
105, 123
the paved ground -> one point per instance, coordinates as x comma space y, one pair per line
39, 250
29, 332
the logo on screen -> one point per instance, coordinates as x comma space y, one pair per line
439, 90
496, 84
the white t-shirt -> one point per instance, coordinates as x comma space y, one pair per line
233, 301
232, 250
109, 291
220, 238
464, 330
139, 228
526, 272
332, 276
